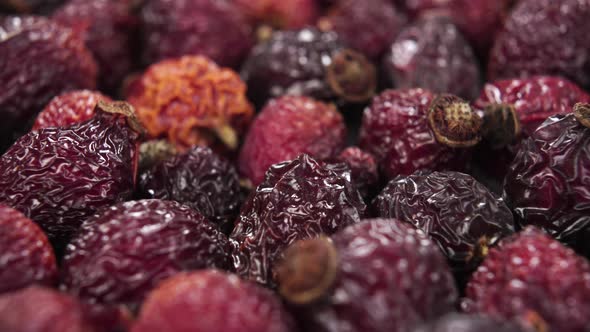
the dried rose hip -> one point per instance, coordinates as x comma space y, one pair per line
547, 182
281, 14
468, 323
228, 303
59, 176
544, 37
287, 127
299, 199
379, 275
122, 252
69, 108
108, 27
191, 101
459, 214
39, 59
533, 279
433, 54
412, 129
200, 179
212, 28
308, 62
26, 257
369, 26
364, 173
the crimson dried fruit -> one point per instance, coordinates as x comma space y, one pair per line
200, 179
411, 129
69, 108
311, 63
228, 303
533, 279
26, 257
379, 275
59, 176
39, 59
363, 167
298, 199
433, 54
546, 184
544, 37
150, 240
281, 14
368, 26
213, 28
458, 213
287, 127
191, 101
109, 28
469, 323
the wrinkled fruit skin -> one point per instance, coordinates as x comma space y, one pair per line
433, 54
40, 59
150, 240
281, 14
213, 28
469, 323
230, 305
287, 127
298, 199
200, 179
459, 214
546, 185
26, 257
389, 278
544, 37
69, 108
109, 28
189, 100
368, 26
363, 167
70, 172
530, 276
396, 131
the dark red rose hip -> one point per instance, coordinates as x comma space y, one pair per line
298, 199
69, 108
363, 167
150, 240
379, 275
26, 257
533, 279
469, 323
30, 6
281, 14
181, 303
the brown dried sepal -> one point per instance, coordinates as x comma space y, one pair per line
154, 151
125, 109
351, 76
454, 122
582, 114
479, 251
307, 270
534, 322
501, 125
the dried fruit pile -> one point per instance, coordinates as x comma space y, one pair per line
295, 165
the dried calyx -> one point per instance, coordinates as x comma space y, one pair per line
479, 251
125, 109
307, 270
501, 125
154, 151
454, 122
351, 76
582, 113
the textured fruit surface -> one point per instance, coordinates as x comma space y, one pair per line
433, 54
200, 179
368, 26
212, 301
547, 183
70, 172
108, 28
287, 127
388, 278
149, 240
191, 101
534, 279
298, 199
468, 323
396, 130
212, 28
39, 59
282, 14
26, 257
459, 214
69, 108
363, 167
544, 37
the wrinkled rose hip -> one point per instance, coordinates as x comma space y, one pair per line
363, 167
69, 108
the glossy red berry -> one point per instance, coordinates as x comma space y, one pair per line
287, 127
298, 199
69, 108
26, 256
280, 14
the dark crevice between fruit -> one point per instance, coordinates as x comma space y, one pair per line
351, 76
153, 152
454, 122
307, 270
501, 125
582, 113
